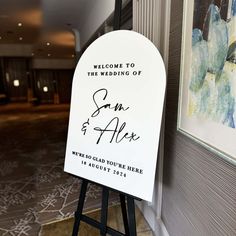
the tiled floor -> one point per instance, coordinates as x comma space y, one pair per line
64, 227
34, 189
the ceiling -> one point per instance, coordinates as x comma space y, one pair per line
45, 24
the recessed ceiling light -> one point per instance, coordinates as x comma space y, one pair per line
32, 54
0, 37
72, 55
49, 54
19, 24
48, 44
20, 38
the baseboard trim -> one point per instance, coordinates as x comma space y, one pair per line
160, 229
156, 224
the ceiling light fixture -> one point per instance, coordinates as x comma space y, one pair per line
49, 54
32, 54
73, 55
48, 44
20, 38
19, 24
0, 37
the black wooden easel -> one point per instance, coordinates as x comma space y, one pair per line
128, 214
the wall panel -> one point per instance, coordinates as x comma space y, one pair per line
64, 80
16, 78
151, 18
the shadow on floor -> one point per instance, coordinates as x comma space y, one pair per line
65, 227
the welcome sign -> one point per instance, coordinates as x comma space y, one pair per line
116, 111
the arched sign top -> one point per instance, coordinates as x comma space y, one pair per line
116, 110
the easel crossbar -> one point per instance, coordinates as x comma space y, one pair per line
97, 225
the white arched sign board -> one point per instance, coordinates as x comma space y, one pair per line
116, 111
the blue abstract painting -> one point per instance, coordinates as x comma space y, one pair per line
212, 82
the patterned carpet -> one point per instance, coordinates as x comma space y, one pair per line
34, 190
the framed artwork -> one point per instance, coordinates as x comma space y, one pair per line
207, 100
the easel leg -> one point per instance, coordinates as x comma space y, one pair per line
104, 211
131, 216
128, 214
124, 213
79, 211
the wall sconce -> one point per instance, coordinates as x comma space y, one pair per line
16, 83
7, 77
45, 89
